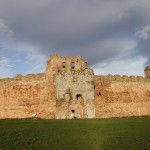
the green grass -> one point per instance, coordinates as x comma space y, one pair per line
100, 134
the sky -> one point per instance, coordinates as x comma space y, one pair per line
113, 35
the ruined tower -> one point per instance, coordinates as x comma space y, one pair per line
74, 85
147, 72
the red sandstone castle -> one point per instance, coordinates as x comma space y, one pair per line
69, 89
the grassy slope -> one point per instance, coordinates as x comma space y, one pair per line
107, 134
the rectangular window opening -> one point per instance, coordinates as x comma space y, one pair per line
64, 64
72, 65
86, 65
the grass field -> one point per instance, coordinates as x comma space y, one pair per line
100, 134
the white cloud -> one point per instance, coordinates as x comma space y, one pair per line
122, 67
144, 33
5, 67
37, 63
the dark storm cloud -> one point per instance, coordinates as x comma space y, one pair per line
144, 49
97, 29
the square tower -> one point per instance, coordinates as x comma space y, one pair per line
74, 85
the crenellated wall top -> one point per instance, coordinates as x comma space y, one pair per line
123, 78
19, 77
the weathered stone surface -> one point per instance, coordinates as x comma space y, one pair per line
69, 89
121, 98
74, 88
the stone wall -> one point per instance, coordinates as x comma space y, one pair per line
120, 96
68, 87
75, 93
22, 96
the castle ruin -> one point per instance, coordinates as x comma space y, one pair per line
69, 89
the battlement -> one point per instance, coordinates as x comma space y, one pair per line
66, 64
120, 78
39, 76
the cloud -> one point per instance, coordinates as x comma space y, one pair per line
143, 47
37, 63
121, 67
5, 32
144, 33
101, 31
5, 67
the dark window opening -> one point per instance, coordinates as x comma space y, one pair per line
78, 96
64, 64
85, 65
77, 60
73, 111
99, 94
73, 65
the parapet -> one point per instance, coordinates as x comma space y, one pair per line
40, 76
67, 64
123, 78
28, 77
